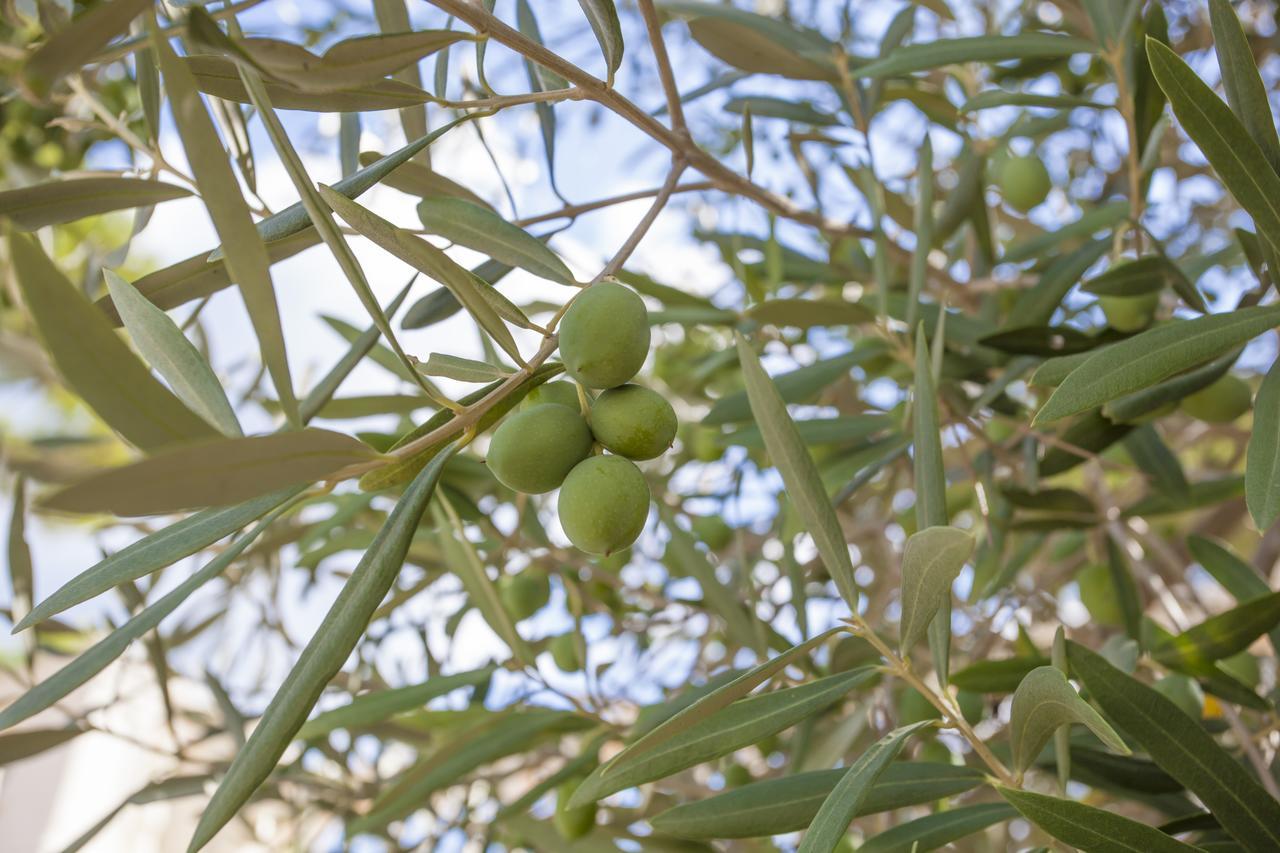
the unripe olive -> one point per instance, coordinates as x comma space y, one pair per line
1098, 595
603, 504
576, 822
702, 443
1024, 182
1130, 313
532, 451
524, 594
604, 336
562, 393
934, 751
1184, 692
914, 708
735, 776
972, 706
633, 421
1221, 402
564, 651
713, 530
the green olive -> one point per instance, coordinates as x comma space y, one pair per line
524, 594
735, 776
1097, 594
1024, 182
576, 822
603, 504
604, 336
562, 393
702, 443
633, 421
972, 706
1130, 313
532, 451
564, 651
1221, 402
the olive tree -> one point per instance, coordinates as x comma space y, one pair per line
949, 516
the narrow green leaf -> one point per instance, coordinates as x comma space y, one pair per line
1148, 274
1091, 222
757, 43
838, 430
1182, 747
808, 313
1143, 360
247, 259
1246, 92
426, 258
930, 485
461, 369
802, 112
738, 725
603, 17
93, 661
1001, 98
16, 747
479, 228
796, 386
213, 473
1243, 166
1089, 828
1125, 587
417, 179
94, 361
154, 551
1131, 407
799, 473
844, 802
175, 358
1036, 305
684, 557
1262, 461
935, 54
62, 201
1002, 675
931, 561
1043, 702
933, 831
1236, 576
790, 803
217, 76
370, 708
21, 584
923, 222
323, 656
72, 47
1219, 636
393, 17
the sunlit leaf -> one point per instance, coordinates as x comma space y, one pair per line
370, 708
931, 561
479, 228
1043, 702
1219, 636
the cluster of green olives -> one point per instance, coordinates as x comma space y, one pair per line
549, 442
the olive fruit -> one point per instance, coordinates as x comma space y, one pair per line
564, 651
1130, 313
533, 450
972, 706
572, 823
604, 336
562, 393
524, 594
1097, 594
1221, 402
1024, 182
735, 776
633, 421
603, 504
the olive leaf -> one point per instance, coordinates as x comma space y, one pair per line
479, 228
790, 803
68, 200
931, 561
417, 179
217, 76
1262, 462
936, 830
461, 369
1182, 748
1219, 636
935, 54
757, 43
215, 472
799, 473
71, 47
1043, 702
21, 582
1089, 828
323, 656
603, 17
175, 358
847, 797
368, 709
95, 362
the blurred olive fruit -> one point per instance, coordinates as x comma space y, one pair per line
633, 421
935, 751
562, 393
972, 706
1024, 182
572, 823
1098, 595
1184, 692
532, 451
1221, 402
712, 530
702, 443
564, 651
524, 594
615, 562
1130, 313
914, 708
849, 652
603, 504
735, 776
604, 336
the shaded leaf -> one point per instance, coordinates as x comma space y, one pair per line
1089, 828
94, 362
16, 747
175, 358
932, 831
1002, 675
417, 179
1262, 462
1001, 98
935, 54
323, 656
1149, 274
603, 18
213, 473
21, 583
479, 228
1043, 702
757, 43
67, 200
71, 47
370, 708
1183, 749
1245, 90
217, 76
461, 369
931, 561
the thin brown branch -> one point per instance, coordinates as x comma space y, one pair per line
674, 107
